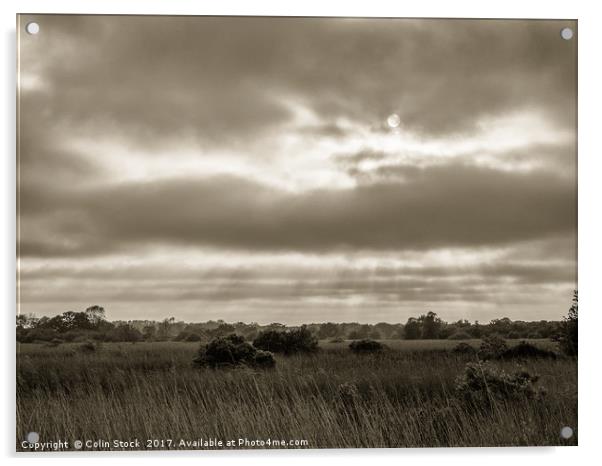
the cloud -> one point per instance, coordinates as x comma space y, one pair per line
435, 207
519, 281
149, 79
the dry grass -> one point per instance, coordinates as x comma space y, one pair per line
401, 398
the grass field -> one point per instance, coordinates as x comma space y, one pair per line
403, 397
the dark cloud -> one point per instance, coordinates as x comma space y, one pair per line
436, 207
150, 78
524, 270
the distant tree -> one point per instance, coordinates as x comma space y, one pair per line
27, 321
500, 326
412, 329
360, 332
164, 329
95, 314
124, 332
476, 330
276, 326
386, 330
430, 325
328, 330
222, 330
67, 321
446, 330
569, 333
149, 332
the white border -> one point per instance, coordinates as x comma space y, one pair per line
590, 226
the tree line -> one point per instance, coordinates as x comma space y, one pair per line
92, 324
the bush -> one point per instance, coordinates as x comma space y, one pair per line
485, 383
366, 346
464, 348
492, 347
299, 340
527, 350
264, 359
270, 340
336, 340
232, 350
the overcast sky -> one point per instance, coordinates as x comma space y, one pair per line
243, 168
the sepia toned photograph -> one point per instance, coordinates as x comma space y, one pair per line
239, 233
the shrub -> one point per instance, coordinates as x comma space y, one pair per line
492, 347
527, 350
366, 346
299, 340
485, 383
459, 335
232, 350
464, 348
264, 359
270, 340
336, 340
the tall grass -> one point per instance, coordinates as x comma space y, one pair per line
403, 397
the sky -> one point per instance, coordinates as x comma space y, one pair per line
296, 170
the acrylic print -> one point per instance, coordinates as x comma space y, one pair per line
259, 233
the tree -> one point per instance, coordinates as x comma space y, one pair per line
431, 324
569, 332
148, 332
412, 329
222, 330
328, 330
164, 329
27, 321
125, 332
95, 314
